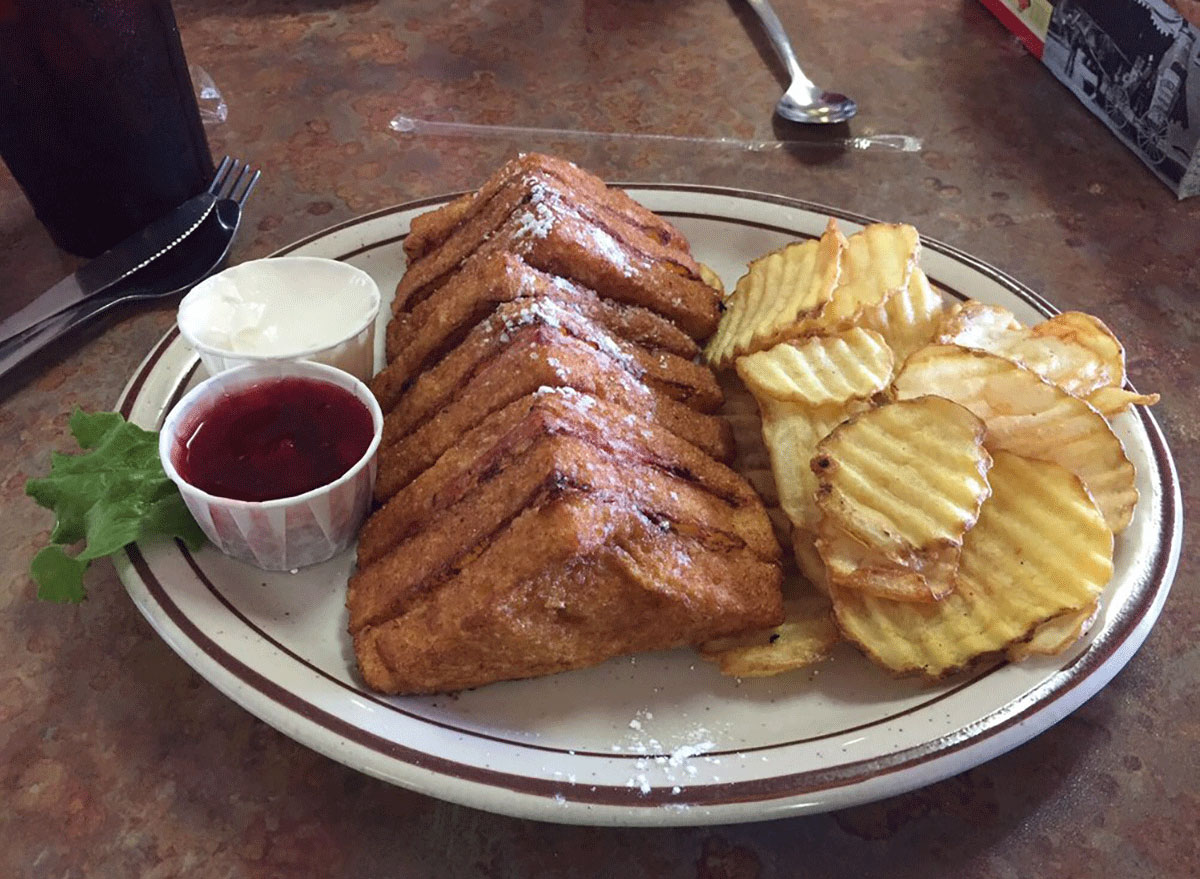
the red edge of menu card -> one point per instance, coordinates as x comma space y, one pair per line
1010, 20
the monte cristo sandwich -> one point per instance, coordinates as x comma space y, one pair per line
552, 484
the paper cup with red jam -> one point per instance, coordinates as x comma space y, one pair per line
276, 460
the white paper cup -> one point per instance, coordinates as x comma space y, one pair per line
289, 533
304, 289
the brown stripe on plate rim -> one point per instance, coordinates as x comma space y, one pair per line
208, 582
1035, 299
775, 787
1068, 678
364, 218
134, 388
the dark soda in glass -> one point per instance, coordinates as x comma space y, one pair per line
98, 119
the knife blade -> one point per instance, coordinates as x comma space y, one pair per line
205, 251
112, 266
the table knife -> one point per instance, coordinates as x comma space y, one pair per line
112, 266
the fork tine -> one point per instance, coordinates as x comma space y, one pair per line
230, 179
219, 176
233, 187
245, 193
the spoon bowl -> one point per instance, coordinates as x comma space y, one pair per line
809, 104
803, 101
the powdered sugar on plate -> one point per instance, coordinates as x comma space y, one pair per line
665, 766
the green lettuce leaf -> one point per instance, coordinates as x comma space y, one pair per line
113, 494
59, 577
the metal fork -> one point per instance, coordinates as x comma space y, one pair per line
203, 252
118, 265
245, 180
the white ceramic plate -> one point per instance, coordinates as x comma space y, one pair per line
657, 739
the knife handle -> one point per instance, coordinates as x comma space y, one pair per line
57, 299
15, 351
112, 267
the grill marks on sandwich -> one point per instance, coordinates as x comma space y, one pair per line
550, 485
568, 584
488, 279
553, 233
554, 466
544, 416
419, 340
539, 357
683, 380
430, 230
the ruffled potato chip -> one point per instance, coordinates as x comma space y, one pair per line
806, 636
772, 300
1040, 549
850, 563
819, 370
791, 432
908, 318
879, 260
708, 276
975, 324
1056, 634
1030, 416
1073, 350
898, 487
1111, 402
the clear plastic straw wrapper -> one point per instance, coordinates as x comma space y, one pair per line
213, 109
899, 143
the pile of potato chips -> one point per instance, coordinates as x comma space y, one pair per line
950, 476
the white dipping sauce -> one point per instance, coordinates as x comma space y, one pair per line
286, 308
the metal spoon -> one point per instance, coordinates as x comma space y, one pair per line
803, 101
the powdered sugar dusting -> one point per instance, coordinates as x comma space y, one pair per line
605, 343
554, 314
536, 310
537, 190
658, 765
685, 752
571, 396
608, 247
534, 222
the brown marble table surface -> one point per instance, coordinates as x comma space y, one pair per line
116, 760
